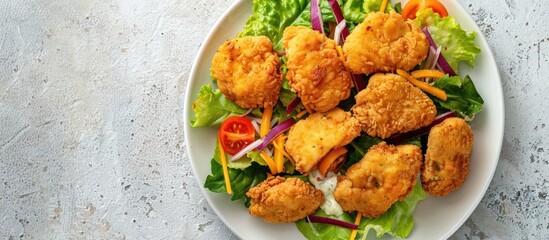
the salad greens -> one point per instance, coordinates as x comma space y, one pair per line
211, 108
458, 45
463, 97
270, 18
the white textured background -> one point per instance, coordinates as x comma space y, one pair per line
91, 144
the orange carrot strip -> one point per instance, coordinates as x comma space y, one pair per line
437, 92
266, 121
330, 158
279, 153
269, 162
300, 114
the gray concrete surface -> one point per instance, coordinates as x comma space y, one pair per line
91, 145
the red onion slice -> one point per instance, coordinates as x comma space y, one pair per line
316, 17
332, 221
336, 9
292, 105
359, 83
277, 130
246, 150
441, 61
337, 33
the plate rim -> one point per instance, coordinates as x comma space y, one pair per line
188, 97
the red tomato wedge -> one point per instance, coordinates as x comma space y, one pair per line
409, 11
235, 133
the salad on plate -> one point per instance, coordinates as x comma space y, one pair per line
341, 116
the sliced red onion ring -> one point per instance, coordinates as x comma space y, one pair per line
292, 105
274, 121
339, 18
316, 17
437, 55
246, 149
404, 137
277, 130
337, 33
359, 83
256, 127
441, 61
332, 221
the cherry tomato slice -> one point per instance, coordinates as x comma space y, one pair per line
411, 8
235, 133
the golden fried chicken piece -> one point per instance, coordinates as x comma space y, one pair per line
315, 71
383, 176
390, 104
312, 138
384, 42
281, 200
447, 159
247, 71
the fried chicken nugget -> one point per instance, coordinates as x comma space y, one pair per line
384, 42
446, 165
390, 104
315, 71
284, 200
383, 176
312, 138
247, 71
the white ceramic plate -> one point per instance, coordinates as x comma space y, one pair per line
435, 217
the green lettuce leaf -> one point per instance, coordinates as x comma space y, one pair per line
457, 45
211, 108
241, 179
463, 97
358, 148
398, 221
325, 231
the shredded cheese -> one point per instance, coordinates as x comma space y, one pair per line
300, 114
427, 73
225, 170
437, 92
357, 221
330, 158
266, 121
281, 148
383, 6
269, 162
340, 53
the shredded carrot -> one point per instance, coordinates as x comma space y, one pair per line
269, 162
308, 109
340, 53
437, 92
300, 114
225, 170
279, 153
281, 148
266, 121
383, 6
330, 158
357, 221
427, 73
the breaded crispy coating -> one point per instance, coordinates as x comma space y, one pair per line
247, 71
384, 42
312, 138
281, 200
446, 164
390, 104
383, 176
315, 71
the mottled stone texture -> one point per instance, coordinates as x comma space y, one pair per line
91, 145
